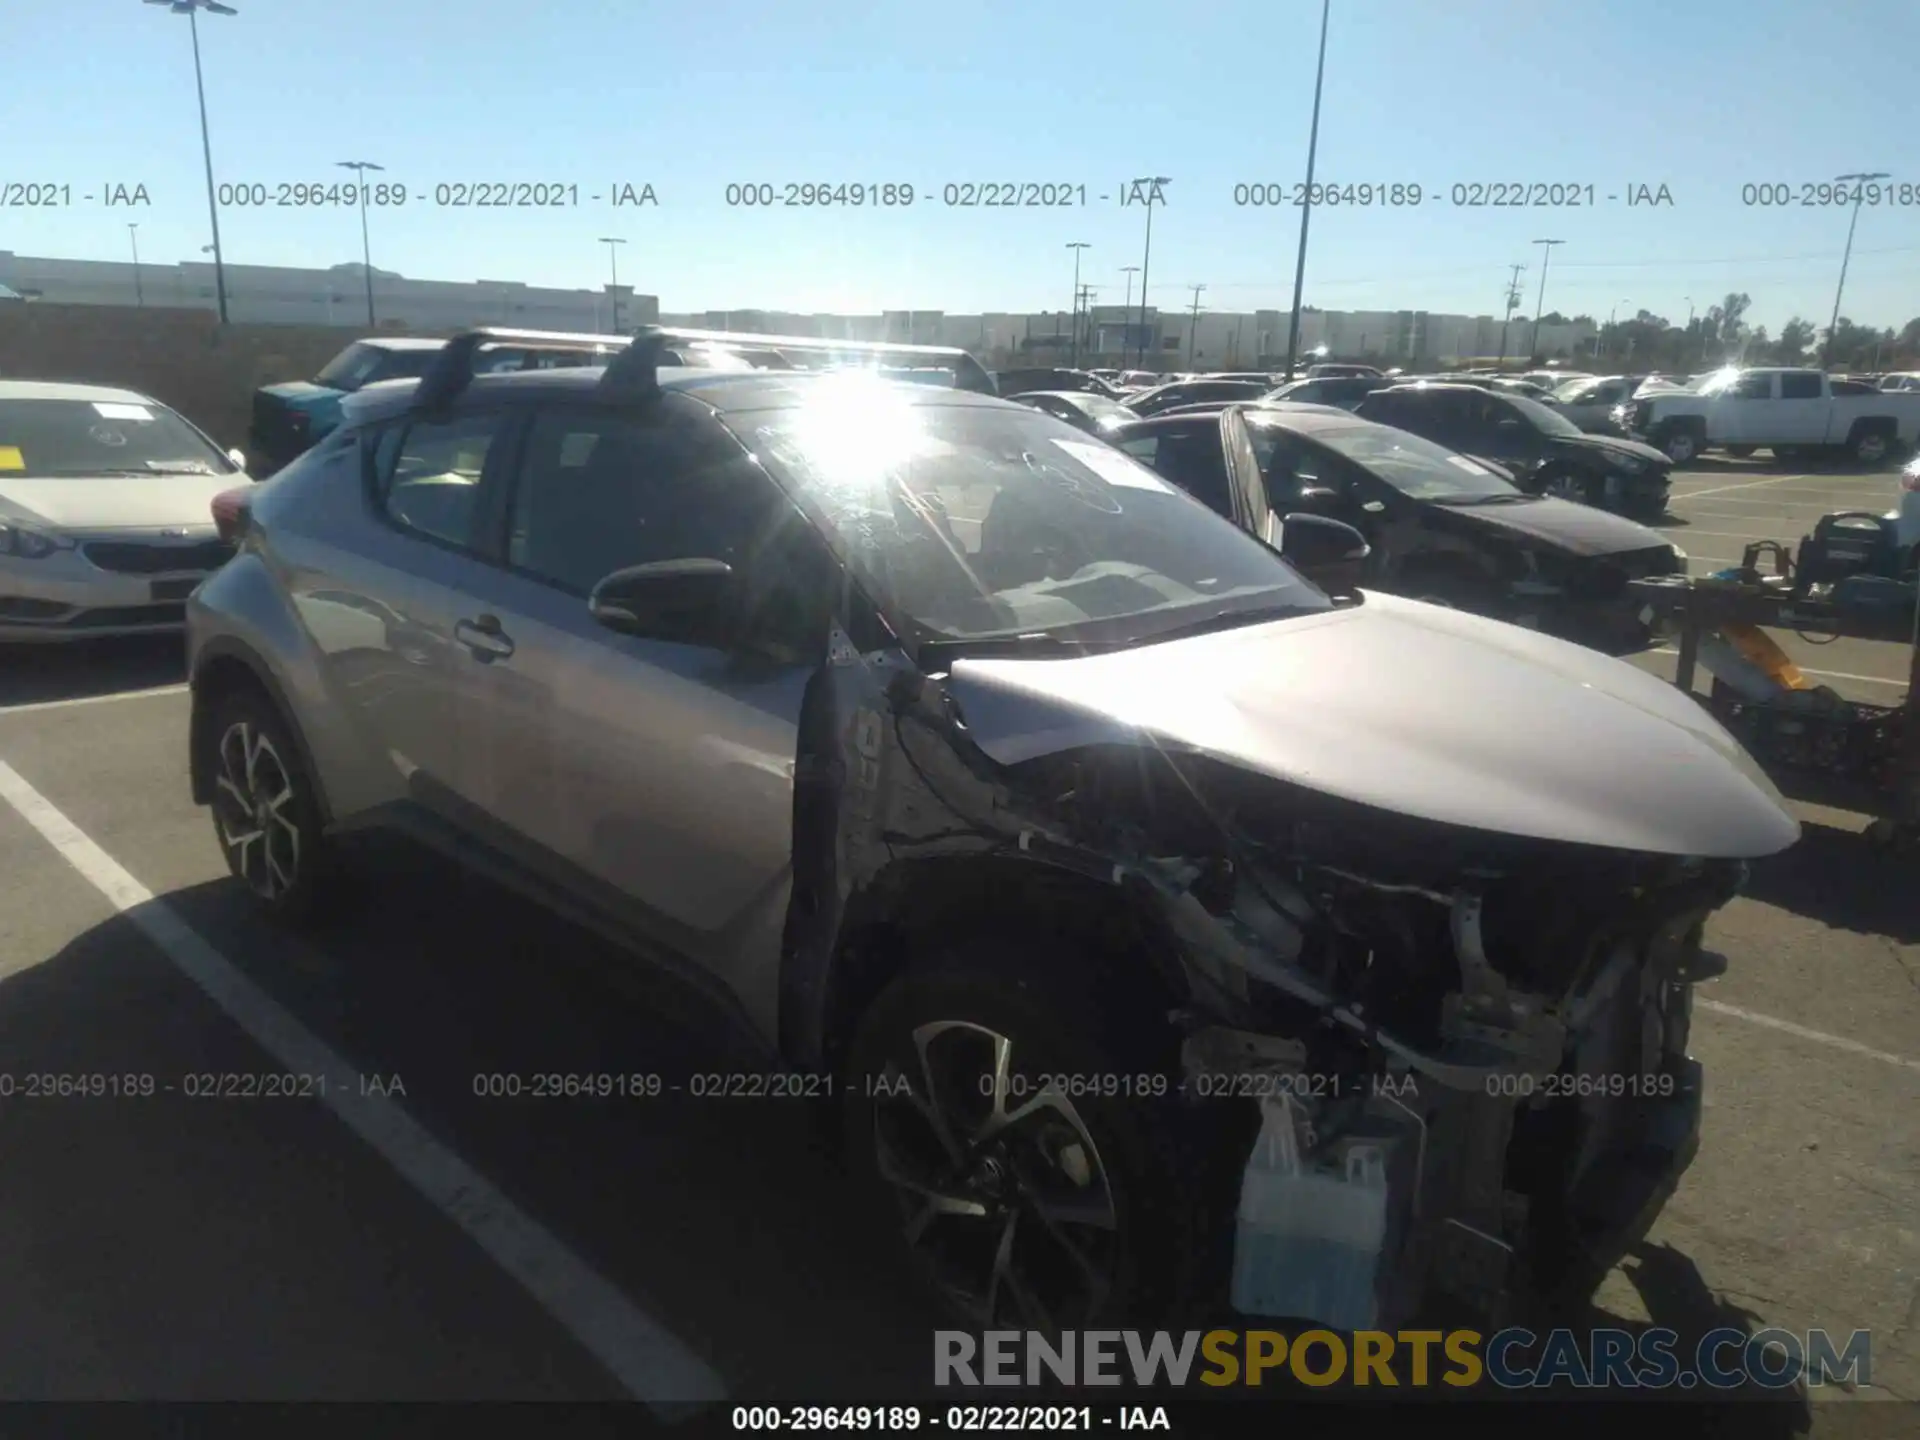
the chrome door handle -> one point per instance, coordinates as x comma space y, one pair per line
483, 638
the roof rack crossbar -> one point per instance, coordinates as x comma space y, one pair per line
633, 363
453, 368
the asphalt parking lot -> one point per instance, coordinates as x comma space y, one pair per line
402, 1237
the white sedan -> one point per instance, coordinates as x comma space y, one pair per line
105, 518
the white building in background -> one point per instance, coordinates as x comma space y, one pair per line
1218, 340
284, 295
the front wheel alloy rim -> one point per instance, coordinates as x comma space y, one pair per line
1001, 1189
253, 811
1680, 448
1871, 448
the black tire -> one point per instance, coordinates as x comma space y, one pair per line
1679, 443
1561, 483
1741, 452
1126, 1160
1870, 447
266, 810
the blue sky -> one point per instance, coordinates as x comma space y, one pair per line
1702, 96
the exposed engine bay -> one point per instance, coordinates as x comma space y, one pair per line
1499, 1023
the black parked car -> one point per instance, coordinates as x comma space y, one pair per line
1345, 391
1546, 452
1442, 527
1080, 408
1195, 392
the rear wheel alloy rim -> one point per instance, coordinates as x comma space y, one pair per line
1680, 448
1871, 448
252, 807
1001, 1188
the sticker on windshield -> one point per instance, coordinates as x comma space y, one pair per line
1465, 464
108, 410
1113, 467
11, 458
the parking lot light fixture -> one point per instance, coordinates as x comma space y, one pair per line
191, 9
1859, 181
360, 167
1153, 184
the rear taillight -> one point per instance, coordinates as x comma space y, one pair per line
230, 513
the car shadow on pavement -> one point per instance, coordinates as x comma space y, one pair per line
1839, 878
719, 1208
35, 674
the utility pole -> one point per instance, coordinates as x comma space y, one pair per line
1076, 246
1513, 304
613, 264
1860, 183
1306, 208
1193, 325
1083, 300
133, 235
1126, 308
1540, 305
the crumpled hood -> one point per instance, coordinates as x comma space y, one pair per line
117, 502
1619, 445
1411, 708
1560, 524
301, 394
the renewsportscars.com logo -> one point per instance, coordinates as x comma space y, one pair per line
1512, 1359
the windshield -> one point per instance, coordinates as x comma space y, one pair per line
1550, 422
982, 522
1415, 467
67, 438
357, 364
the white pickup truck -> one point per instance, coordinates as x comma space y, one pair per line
1790, 412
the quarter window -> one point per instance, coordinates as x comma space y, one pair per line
428, 476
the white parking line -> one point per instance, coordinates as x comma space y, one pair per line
1823, 674
1819, 1037
637, 1350
1743, 485
92, 699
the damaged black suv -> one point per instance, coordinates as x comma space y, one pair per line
1071, 831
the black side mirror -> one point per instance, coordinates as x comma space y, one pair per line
1331, 554
688, 601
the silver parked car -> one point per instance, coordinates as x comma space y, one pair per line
1045, 818
104, 519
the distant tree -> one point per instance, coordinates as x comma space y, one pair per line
1796, 338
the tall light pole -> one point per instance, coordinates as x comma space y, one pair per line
613, 263
1306, 207
1540, 304
1076, 246
133, 237
1613, 317
1126, 308
1153, 184
1860, 182
360, 168
191, 9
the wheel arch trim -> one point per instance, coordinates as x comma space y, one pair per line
222, 654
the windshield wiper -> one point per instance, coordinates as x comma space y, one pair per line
1501, 498
954, 647
1227, 618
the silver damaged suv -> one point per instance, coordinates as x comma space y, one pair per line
1070, 830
